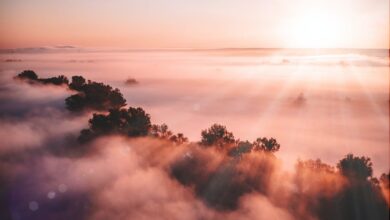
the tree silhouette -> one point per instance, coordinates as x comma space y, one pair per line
242, 147
93, 95
315, 166
160, 131
355, 168
163, 132
133, 122
217, 135
32, 77
77, 83
27, 74
362, 198
59, 80
178, 138
266, 145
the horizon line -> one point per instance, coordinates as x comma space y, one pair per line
107, 48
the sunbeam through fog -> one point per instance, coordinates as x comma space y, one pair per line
322, 104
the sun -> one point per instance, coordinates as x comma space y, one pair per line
315, 30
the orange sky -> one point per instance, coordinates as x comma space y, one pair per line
195, 24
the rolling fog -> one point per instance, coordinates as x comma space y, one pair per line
317, 104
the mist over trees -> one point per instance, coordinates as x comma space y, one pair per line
355, 196
221, 170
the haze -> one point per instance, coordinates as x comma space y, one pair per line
196, 24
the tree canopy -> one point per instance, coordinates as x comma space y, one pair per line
217, 135
32, 77
266, 145
133, 122
93, 95
77, 83
163, 132
27, 74
355, 168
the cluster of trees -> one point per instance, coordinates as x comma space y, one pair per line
131, 122
223, 185
90, 95
218, 136
163, 132
93, 95
31, 77
360, 196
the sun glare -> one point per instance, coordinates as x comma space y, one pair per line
315, 30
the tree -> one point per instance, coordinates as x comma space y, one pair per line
160, 131
355, 168
77, 83
133, 122
316, 166
75, 102
28, 74
242, 147
217, 135
58, 80
266, 145
137, 122
163, 132
32, 77
93, 95
178, 138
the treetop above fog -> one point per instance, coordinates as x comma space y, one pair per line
356, 168
27, 74
132, 122
217, 135
32, 77
77, 83
90, 95
94, 96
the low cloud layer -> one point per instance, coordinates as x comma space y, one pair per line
46, 173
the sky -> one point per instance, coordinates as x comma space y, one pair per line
195, 24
